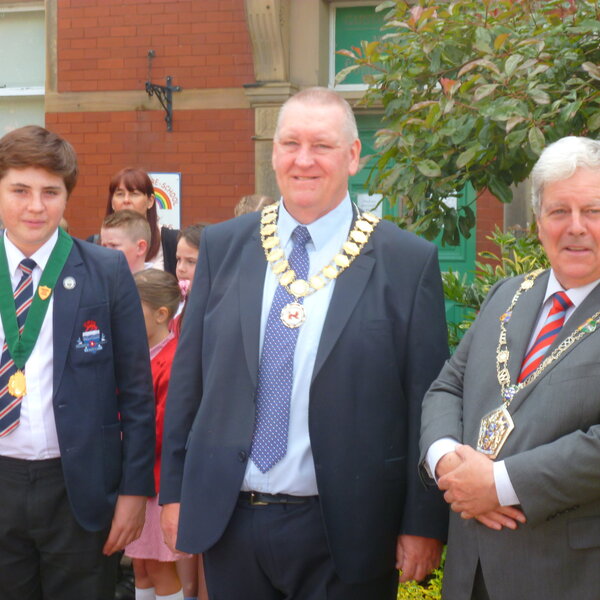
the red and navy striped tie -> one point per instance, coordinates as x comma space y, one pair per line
553, 324
10, 407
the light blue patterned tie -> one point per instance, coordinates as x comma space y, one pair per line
276, 370
10, 407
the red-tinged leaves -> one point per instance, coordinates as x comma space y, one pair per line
348, 53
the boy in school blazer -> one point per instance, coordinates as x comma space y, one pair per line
76, 407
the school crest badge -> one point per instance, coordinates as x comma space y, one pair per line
91, 338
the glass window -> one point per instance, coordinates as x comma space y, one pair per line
23, 60
350, 24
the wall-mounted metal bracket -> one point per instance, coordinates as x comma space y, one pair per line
162, 92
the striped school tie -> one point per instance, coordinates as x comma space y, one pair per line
553, 324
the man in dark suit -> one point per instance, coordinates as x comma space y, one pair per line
296, 472
511, 427
76, 406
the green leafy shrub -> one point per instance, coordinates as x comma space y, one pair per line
472, 91
432, 590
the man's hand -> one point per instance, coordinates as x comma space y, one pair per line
470, 487
505, 516
127, 523
447, 463
169, 522
417, 556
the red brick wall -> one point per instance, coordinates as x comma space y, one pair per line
102, 46
490, 212
212, 149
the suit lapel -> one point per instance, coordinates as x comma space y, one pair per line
252, 271
349, 287
64, 312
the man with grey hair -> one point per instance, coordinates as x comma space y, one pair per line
313, 330
511, 427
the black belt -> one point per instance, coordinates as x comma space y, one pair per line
21, 465
262, 499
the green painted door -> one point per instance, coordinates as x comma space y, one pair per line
459, 258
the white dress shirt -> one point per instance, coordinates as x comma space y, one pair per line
35, 438
504, 488
295, 472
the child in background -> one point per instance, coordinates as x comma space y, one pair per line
188, 246
251, 203
153, 563
190, 569
129, 232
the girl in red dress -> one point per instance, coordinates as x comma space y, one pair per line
153, 562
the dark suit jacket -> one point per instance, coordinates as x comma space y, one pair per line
552, 456
103, 400
383, 341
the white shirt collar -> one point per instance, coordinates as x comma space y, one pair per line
14, 256
320, 230
576, 295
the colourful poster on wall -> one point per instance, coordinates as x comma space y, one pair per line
167, 190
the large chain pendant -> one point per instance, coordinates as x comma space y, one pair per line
293, 315
16, 384
494, 430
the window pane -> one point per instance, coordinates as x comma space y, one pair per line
22, 49
352, 25
16, 112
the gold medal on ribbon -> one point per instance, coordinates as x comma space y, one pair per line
16, 384
44, 292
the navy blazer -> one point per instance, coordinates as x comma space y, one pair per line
383, 341
102, 394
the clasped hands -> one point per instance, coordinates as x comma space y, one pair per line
467, 479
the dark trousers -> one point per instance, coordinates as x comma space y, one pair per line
278, 552
44, 553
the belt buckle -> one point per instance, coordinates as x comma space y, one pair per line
255, 502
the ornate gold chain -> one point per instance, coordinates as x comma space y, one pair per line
351, 248
502, 352
497, 425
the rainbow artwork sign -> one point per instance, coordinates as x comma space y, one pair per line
167, 193
163, 200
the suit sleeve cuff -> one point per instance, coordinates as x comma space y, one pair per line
504, 488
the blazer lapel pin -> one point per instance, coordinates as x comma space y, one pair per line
69, 283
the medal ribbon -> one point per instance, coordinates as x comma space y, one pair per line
21, 346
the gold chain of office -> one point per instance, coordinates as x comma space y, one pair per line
502, 352
351, 248
498, 424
